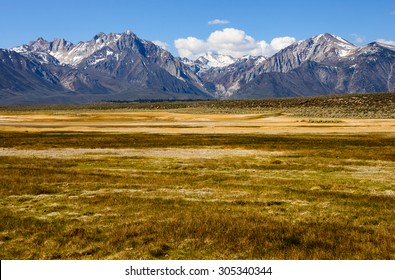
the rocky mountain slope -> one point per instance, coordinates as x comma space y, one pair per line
125, 67
108, 67
320, 65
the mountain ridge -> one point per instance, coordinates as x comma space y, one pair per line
322, 64
123, 66
111, 66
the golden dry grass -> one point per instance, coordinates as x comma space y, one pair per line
91, 185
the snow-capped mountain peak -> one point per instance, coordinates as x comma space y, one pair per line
73, 55
386, 45
38, 45
69, 54
215, 60
340, 46
329, 41
130, 67
323, 47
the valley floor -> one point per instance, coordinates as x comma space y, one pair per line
171, 184
189, 123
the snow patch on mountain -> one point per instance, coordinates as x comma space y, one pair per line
386, 45
215, 60
74, 55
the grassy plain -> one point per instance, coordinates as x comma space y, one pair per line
196, 183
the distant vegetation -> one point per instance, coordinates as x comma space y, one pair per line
372, 105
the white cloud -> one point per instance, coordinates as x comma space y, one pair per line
230, 41
282, 42
161, 44
190, 47
218, 21
359, 38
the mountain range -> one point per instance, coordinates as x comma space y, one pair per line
126, 67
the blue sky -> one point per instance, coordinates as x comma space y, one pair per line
256, 22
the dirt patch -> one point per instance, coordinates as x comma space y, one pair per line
166, 153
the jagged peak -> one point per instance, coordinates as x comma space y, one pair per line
41, 39
99, 35
61, 40
128, 33
334, 39
332, 45
38, 45
60, 44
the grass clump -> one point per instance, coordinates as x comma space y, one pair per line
297, 197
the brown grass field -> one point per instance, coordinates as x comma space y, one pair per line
277, 179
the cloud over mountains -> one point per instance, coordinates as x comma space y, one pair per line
218, 22
230, 41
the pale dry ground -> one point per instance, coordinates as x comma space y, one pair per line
166, 153
173, 123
